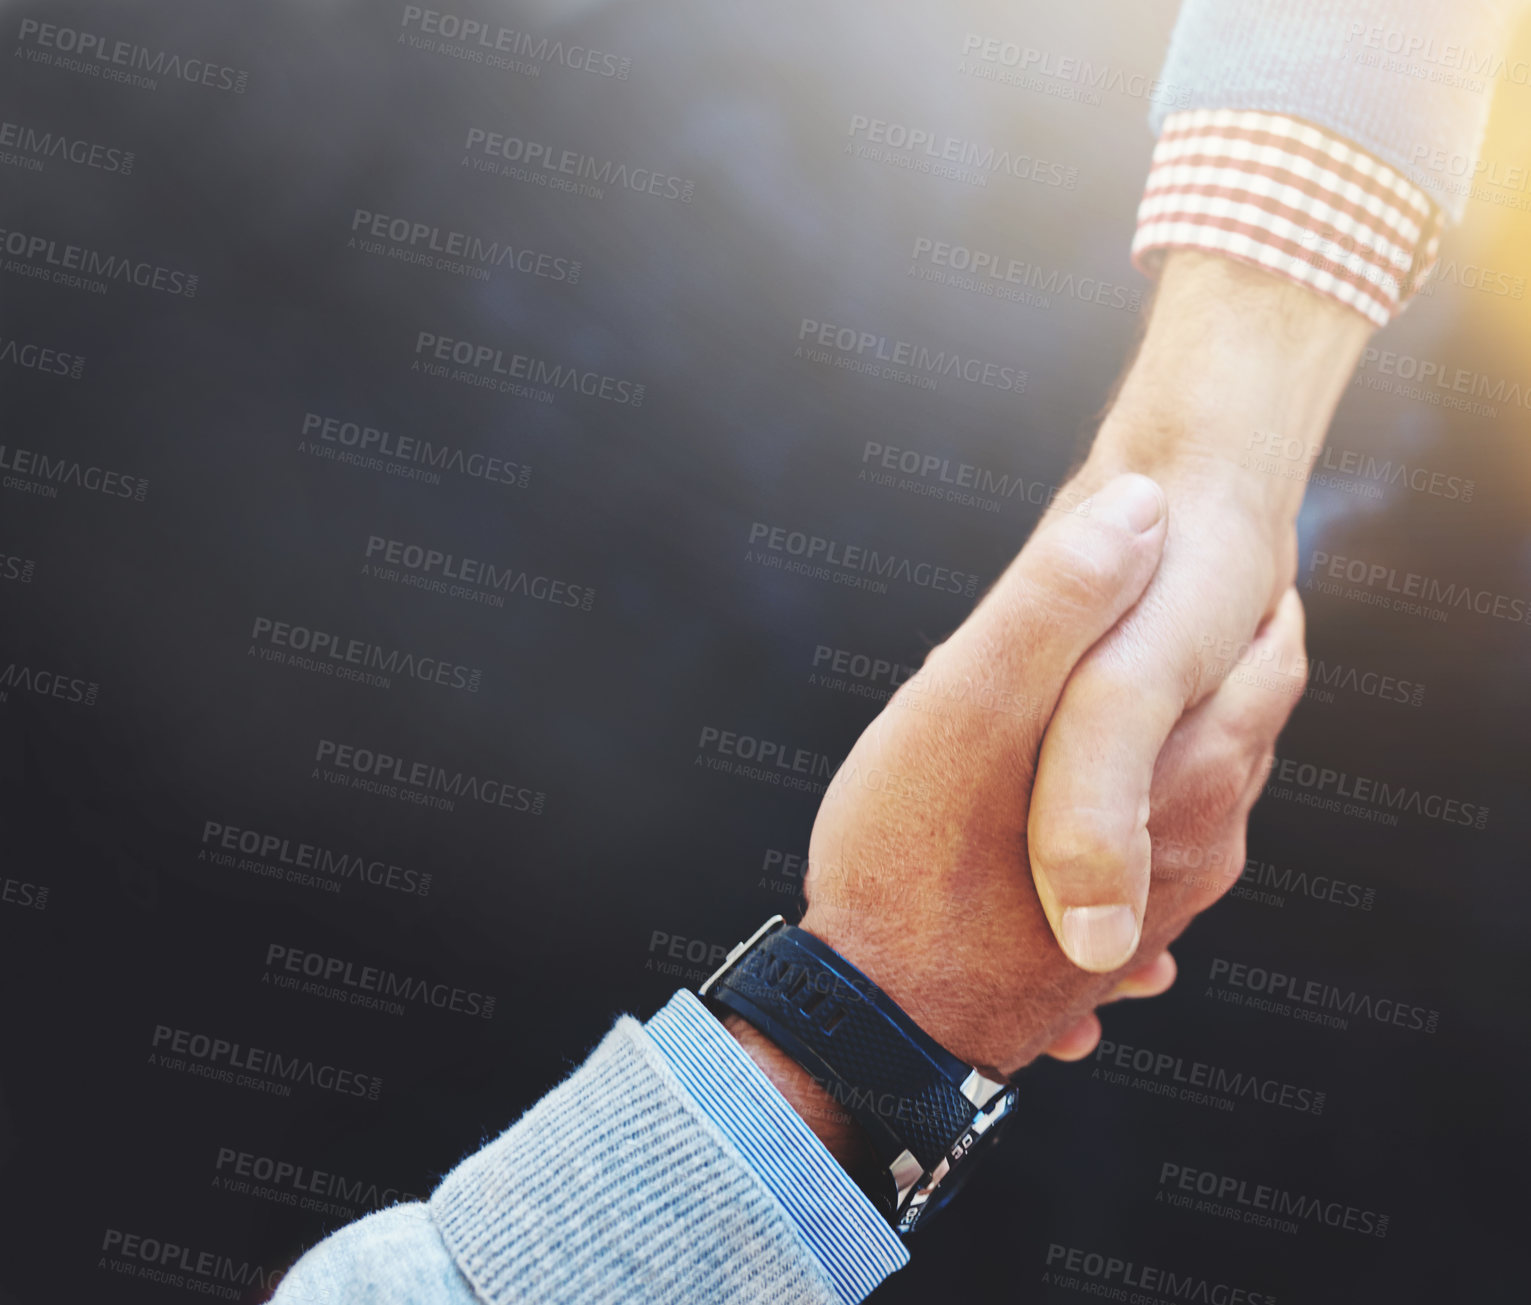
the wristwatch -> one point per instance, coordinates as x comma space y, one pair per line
928, 1116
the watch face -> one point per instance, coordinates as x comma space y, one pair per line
966, 1160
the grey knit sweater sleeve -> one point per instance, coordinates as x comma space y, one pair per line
614, 1187
1408, 80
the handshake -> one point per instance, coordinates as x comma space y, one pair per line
1043, 807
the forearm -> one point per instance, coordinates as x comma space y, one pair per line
626, 1181
1235, 363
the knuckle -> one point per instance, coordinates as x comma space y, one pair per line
1124, 669
1089, 1039
1215, 784
1235, 853
1254, 782
938, 654
1078, 846
1244, 737
1085, 570
1225, 774
1287, 562
1207, 672
1238, 740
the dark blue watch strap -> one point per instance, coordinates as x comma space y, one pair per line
898, 1083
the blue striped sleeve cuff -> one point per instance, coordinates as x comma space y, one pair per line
856, 1246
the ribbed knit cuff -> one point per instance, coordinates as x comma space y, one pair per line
1282, 194
1407, 81
617, 1187
855, 1244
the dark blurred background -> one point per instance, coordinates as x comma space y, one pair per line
177, 501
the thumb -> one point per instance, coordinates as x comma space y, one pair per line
1071, 583
1087, 826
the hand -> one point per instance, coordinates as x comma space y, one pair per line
1152, 979
918, 857
1235, 362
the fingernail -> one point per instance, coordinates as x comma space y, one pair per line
1100, 938
1134, 500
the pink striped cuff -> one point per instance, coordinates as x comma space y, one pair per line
1290, 197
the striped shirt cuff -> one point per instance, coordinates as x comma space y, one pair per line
854, 1243
1282, 194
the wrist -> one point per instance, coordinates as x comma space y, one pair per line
841, 1135
933, 959
1236, 362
